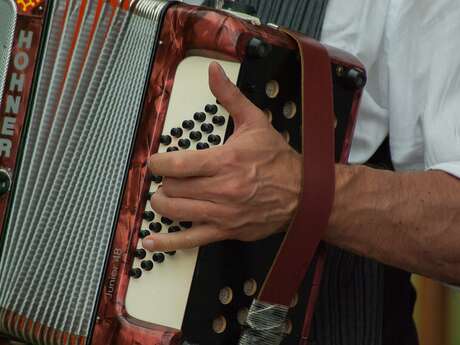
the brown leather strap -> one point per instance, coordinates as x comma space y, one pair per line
307, 228
314, 294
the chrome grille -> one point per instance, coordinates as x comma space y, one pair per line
74, 162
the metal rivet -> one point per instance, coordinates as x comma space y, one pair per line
272, 89
226, 295
250, 287
242, 316
219, 324
289, 110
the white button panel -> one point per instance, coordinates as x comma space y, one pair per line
159, 296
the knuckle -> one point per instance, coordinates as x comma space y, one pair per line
177, 164
167, 186
239, 190
222, 235
235, 234
229, 158
231, 189
209, 214
229, 217
232, 94
162, 205
169, 243
151, 163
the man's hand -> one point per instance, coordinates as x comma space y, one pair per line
247, 189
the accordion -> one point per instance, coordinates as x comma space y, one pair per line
90, 90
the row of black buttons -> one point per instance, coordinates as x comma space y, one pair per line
218, 120
157, 257
157, 227
149, 216
177, 132
147, 265
195, 136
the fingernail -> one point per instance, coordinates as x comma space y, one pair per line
222, 71
148, 244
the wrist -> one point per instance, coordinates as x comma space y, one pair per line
361, 199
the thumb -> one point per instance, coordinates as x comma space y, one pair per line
241, 109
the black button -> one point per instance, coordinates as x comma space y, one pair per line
155, 227
172, 149
218, 120
140, 253
144, 233
258, 48
136, 273
148, 216
188, 124
211, 109
157, 179
166, 221
177, 132
173, 229
214, 139
202, 146
207, 127
171, 253
158, 257
184, 143
165, 139
147, 265
186, 225
195, 135
200, 117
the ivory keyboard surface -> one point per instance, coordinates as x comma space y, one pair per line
159, 290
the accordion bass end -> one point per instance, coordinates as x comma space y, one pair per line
90, 90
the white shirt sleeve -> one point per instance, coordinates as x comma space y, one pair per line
358, 26
410, 49
424, 87
441, 119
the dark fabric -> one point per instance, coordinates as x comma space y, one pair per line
306, 16
399, 300
350, 308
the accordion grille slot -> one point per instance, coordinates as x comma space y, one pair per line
72, 173
8, 20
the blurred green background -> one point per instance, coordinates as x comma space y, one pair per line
437, 313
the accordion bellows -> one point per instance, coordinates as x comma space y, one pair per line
74, 162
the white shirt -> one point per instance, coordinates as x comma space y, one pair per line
411, 49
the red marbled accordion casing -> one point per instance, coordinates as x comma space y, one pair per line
184, 31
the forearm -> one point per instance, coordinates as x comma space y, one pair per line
409, 220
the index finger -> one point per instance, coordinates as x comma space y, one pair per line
195, 237
182, 164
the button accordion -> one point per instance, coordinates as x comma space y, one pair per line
92, 88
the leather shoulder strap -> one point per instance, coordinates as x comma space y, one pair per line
307, 228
